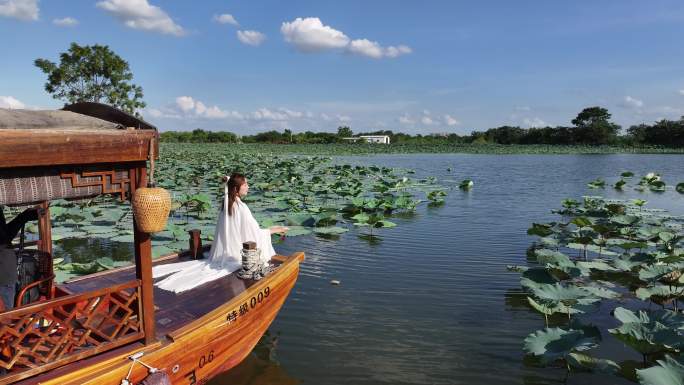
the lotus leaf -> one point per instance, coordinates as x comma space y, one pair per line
127, 238
649, 332
596, 264
592, 364
567, 294
297, 231
552, 344
601, 292
659, 293
549, 307
668, 372
331, 230
597, 183
541, 230
306, 220
660, 271
581, 222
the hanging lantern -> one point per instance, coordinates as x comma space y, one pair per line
151, 205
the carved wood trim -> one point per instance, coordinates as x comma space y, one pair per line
115, 186
45, 335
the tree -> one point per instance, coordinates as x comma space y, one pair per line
92, 74
344, 132
593, 126
288, 134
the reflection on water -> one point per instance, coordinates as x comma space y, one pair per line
259, 368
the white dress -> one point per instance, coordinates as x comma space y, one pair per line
224, 256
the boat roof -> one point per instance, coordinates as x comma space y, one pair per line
79, 116
53, 154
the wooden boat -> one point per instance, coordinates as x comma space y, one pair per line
84, 331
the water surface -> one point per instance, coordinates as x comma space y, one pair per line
432, 303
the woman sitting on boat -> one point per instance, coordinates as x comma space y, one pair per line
236, 225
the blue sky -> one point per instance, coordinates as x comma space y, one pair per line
411, 66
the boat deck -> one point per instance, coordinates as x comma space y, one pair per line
172, 310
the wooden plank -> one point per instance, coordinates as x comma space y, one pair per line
44, 147
189, 328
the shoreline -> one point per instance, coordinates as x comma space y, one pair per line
382, 149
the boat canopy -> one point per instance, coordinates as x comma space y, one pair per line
84, 150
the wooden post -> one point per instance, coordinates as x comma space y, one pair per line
143, 260
44, 228
45, 239
195, 244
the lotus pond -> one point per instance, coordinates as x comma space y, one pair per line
421, 245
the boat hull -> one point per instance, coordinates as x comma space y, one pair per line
210, 345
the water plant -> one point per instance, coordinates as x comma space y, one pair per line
627, 253
466, 185
597, 183
312, 194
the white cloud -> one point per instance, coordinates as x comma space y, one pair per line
226, 18
189, 106
65, 22
632, 103
216, 113
397, 51
253, 38
192, 111
139, 14
11, 103
427, 120
365, 47
291, 113
310, 35
154, 112
26, 10
681, 92
185, 103
406, 119
450, 120
374, 50
523, 108
266, 114
534, 122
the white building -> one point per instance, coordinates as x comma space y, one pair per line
382, 139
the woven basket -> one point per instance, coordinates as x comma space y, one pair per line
151, 206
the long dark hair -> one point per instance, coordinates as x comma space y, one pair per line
234, 183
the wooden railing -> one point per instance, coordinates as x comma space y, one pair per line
49, 334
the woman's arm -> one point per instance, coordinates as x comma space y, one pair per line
278, 229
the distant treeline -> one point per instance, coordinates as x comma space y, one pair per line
592, 126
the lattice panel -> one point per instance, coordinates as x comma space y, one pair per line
45, 334
107, 180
